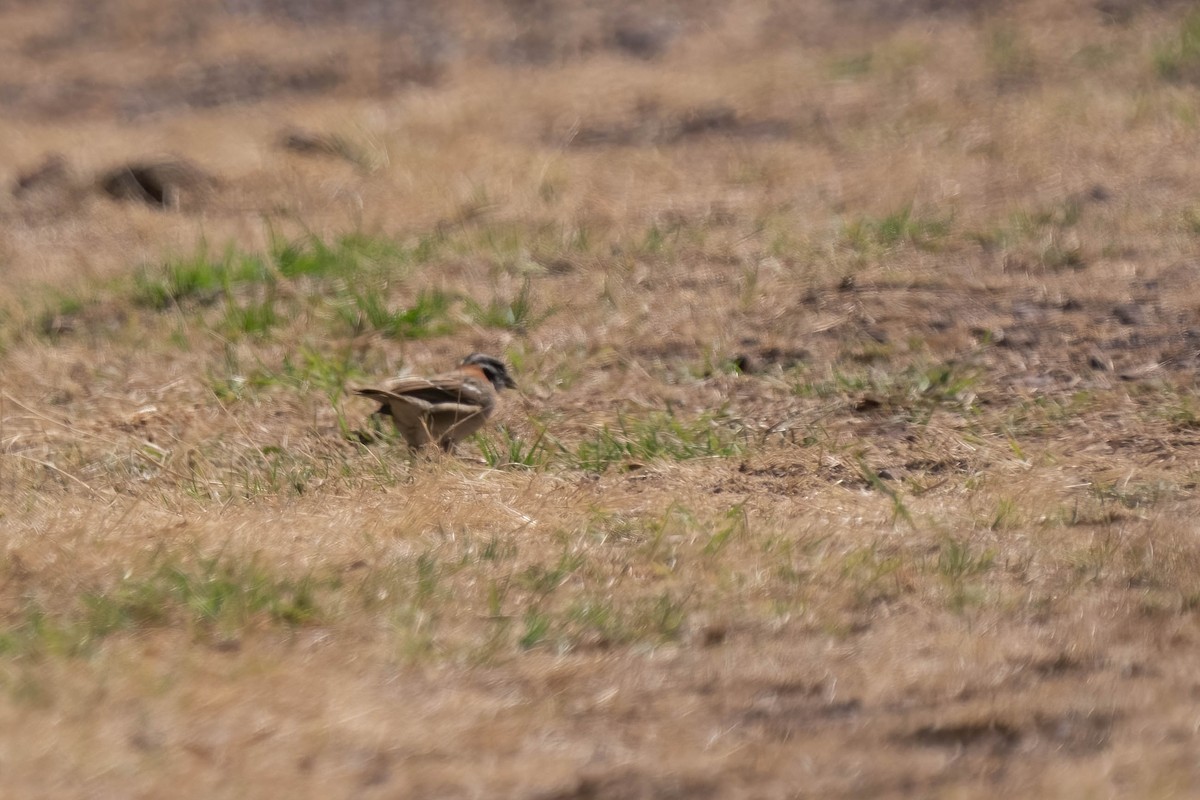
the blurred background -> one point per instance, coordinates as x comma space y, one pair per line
395, 116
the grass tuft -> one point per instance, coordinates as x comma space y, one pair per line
1179, 59
199, 279
958, 561
869, 235
518, 313
427, 316
659, 436
503, 448
210, 596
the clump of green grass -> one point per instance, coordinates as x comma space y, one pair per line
306, 370
735, 526
1179, 408
875, 481
1006, 516
1133, 495
218, 472
873, 575
271, 471
504, 448
935, 387
659, 436
247, 284
311, 256
537, 628
199, 278
313, 369
598, 620
57, 317
853, 66
1044, 230
517, 313
658, 239
1096, 57
1010, 57
1179, 59
958, 561
427, 316
915, 391
203, 278
1191, 220
1064, 214
212, 596
36, 633
571, 597
1059, 255
867, 234
543, 580
252, 316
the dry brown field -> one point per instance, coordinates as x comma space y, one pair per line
857, 440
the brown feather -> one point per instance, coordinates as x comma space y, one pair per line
443, 409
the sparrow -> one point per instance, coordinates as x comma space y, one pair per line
443, 408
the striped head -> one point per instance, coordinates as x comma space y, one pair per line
493, 369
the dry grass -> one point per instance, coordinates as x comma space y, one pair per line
855, 453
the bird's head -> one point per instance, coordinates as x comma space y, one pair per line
493, 368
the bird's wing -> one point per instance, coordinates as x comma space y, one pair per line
453, 389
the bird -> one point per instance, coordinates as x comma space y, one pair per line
444, 408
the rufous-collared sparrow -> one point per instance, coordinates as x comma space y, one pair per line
443, 408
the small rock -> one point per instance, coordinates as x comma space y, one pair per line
1130, 314
785, 359
877, 333
161, 184
311, 143
308, 142
744, 363
1020, 337
53, 173
708, 119
1100, 362
989, 335
867, 404
1026, 311
642, 39
230, 644
711, 634
1137, 373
